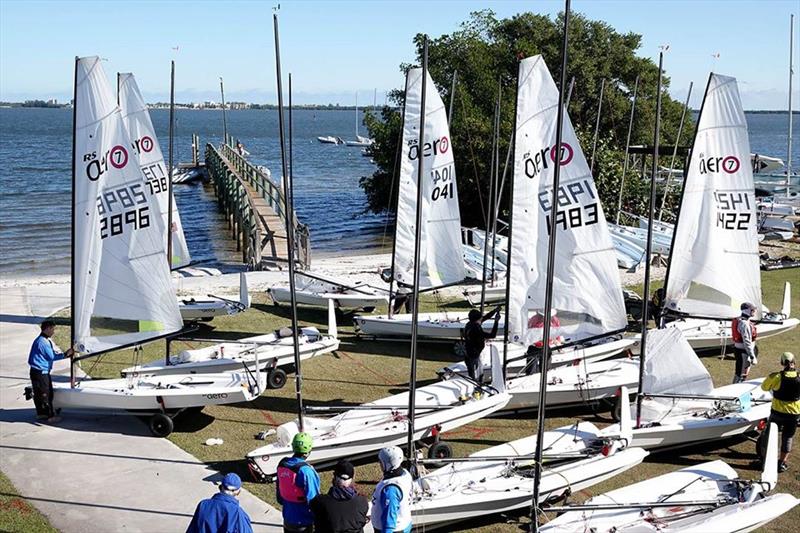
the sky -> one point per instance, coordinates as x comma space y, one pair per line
338, 49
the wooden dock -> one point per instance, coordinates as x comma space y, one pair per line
255, 208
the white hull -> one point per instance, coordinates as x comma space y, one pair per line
430, 325
270, 351
318, 291
144, 392
360, 432
207, 309
637, 236
495, 294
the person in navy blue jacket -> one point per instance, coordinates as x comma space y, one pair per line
221, 513
40, 359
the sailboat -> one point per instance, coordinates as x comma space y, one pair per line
699, 498
442, 261
591, 313
360, 141
316, 290
716, 238
122, 294
144, 142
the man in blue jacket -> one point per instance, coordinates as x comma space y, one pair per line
391, 501
221, 512
296, 485
40, 359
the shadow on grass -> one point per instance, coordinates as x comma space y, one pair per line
190, 422
687, 455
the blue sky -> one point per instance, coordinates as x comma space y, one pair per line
337, 48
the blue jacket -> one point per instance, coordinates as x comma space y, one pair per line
390, 503
220, 514
42, 355
299, 514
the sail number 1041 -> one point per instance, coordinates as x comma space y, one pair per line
443, 183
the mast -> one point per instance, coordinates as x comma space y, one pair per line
170, 198
412, 383
356, 113
597, 123
791, 73
548, 297
497, 189
649, 246
73, 286
675, 152
627, 148
492, 186
289, 216
224, 120
452, 97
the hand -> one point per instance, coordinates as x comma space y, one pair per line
69, 353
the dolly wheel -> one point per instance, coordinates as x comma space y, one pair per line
439, 450
616, 409
276, 379
161, 425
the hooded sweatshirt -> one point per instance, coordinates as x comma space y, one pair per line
342, 510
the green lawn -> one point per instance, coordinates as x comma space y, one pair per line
364, 370
17, 515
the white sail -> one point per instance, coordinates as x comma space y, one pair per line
145, 143
441, 251
714, 266
120, 264
586, 293
672, 367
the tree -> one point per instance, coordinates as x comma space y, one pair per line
485, 52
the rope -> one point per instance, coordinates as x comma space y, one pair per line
472, 155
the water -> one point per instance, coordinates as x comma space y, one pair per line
35, 159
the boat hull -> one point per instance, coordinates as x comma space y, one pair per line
346, 301
430, 325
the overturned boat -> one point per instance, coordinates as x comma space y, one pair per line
316, 290
193, 310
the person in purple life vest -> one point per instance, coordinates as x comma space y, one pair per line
296, 485
222, 512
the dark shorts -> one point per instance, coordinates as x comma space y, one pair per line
742, 363
787, 425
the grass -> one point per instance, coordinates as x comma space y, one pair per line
365, 370
17, 515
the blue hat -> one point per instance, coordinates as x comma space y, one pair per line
232, 482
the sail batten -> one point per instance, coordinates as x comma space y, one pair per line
121, 277
714, 265
587, 292
442, 255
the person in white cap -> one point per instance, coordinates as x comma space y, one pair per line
744, 335
391, 501
222, 512
785, 412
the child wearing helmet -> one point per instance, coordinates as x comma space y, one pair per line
785, 412
296, 485
391, 501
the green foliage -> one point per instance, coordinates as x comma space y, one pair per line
485, 52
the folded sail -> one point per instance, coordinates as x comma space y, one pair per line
144, 142
441, 251
714, 266
587, 294
121, 278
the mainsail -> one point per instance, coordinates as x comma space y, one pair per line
441, 250
144, 142
586, 293
120, 269
714, 266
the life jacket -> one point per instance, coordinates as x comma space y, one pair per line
789, 389
287, 475
737, 337
406, 486
537, 321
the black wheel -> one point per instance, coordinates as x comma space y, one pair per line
207, 319
439, 450
161, 425
616, 409
276, 378
460, 349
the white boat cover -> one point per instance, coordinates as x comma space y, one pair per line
441, 253
120, 262
714, 266
586, 291
145, 143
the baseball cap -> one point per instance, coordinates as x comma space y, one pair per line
232, 481
344, 470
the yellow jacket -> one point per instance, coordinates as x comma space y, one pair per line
772, 383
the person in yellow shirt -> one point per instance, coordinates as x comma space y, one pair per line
785, 412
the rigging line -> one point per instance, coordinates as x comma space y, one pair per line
472, 155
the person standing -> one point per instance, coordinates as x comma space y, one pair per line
475, 341
222, 512
785, 412
41, 357
744, 335
297, 485
391, 501
342, 509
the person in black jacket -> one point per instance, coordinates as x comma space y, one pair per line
342, 510
475, 341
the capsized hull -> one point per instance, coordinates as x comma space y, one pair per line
207, 309
430, 325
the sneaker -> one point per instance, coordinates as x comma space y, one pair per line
54, 419
42, 417
782, 466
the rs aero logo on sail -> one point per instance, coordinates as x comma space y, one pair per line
714, 164
540, 160
439, 146
97, 166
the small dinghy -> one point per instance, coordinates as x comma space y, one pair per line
206, 310
330, 139
432, 326
186, 176
316, 291
706, 497
362, 430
